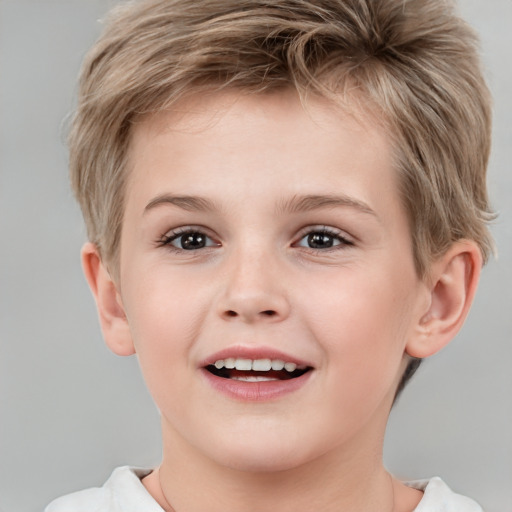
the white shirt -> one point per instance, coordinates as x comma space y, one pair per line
124, 492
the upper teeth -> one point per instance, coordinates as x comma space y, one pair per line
258, 365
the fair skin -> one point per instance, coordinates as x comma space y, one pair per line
255, 229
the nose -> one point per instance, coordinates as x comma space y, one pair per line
253, 290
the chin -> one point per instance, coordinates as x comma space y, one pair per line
263, 454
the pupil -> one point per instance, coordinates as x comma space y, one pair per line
192, 241
320, 240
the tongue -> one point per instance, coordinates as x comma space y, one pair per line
271, 374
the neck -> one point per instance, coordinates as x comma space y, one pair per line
345, 479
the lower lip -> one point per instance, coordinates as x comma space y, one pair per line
255, 391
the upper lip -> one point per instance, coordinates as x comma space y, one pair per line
253, 353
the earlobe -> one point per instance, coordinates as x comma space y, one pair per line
453, 282
114, 324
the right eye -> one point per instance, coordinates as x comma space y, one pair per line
189, 240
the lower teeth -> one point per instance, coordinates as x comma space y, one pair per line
253, 379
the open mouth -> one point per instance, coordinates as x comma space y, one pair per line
256, 370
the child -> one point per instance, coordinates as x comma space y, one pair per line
286, 208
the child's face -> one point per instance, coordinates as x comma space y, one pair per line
256, 230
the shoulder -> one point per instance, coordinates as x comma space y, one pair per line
122, 492
438, 497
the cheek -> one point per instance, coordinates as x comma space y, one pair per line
358, 306
164, 323
361, 323
161, 306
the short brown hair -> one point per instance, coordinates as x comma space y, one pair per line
415, 62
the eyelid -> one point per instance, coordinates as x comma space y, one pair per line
323, 228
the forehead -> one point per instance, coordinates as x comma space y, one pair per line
232, 124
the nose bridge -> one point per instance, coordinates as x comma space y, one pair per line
253, 290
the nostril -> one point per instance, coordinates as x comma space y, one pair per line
230, 313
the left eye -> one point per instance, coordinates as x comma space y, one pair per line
322, 240
190, 241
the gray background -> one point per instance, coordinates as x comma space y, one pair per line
70, 411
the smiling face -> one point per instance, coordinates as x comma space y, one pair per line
255, 235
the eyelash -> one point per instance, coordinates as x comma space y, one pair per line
168, 239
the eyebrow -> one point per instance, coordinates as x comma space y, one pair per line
189, 203
315, 202
296, 204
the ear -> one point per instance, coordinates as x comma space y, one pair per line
114, 324
452, 283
